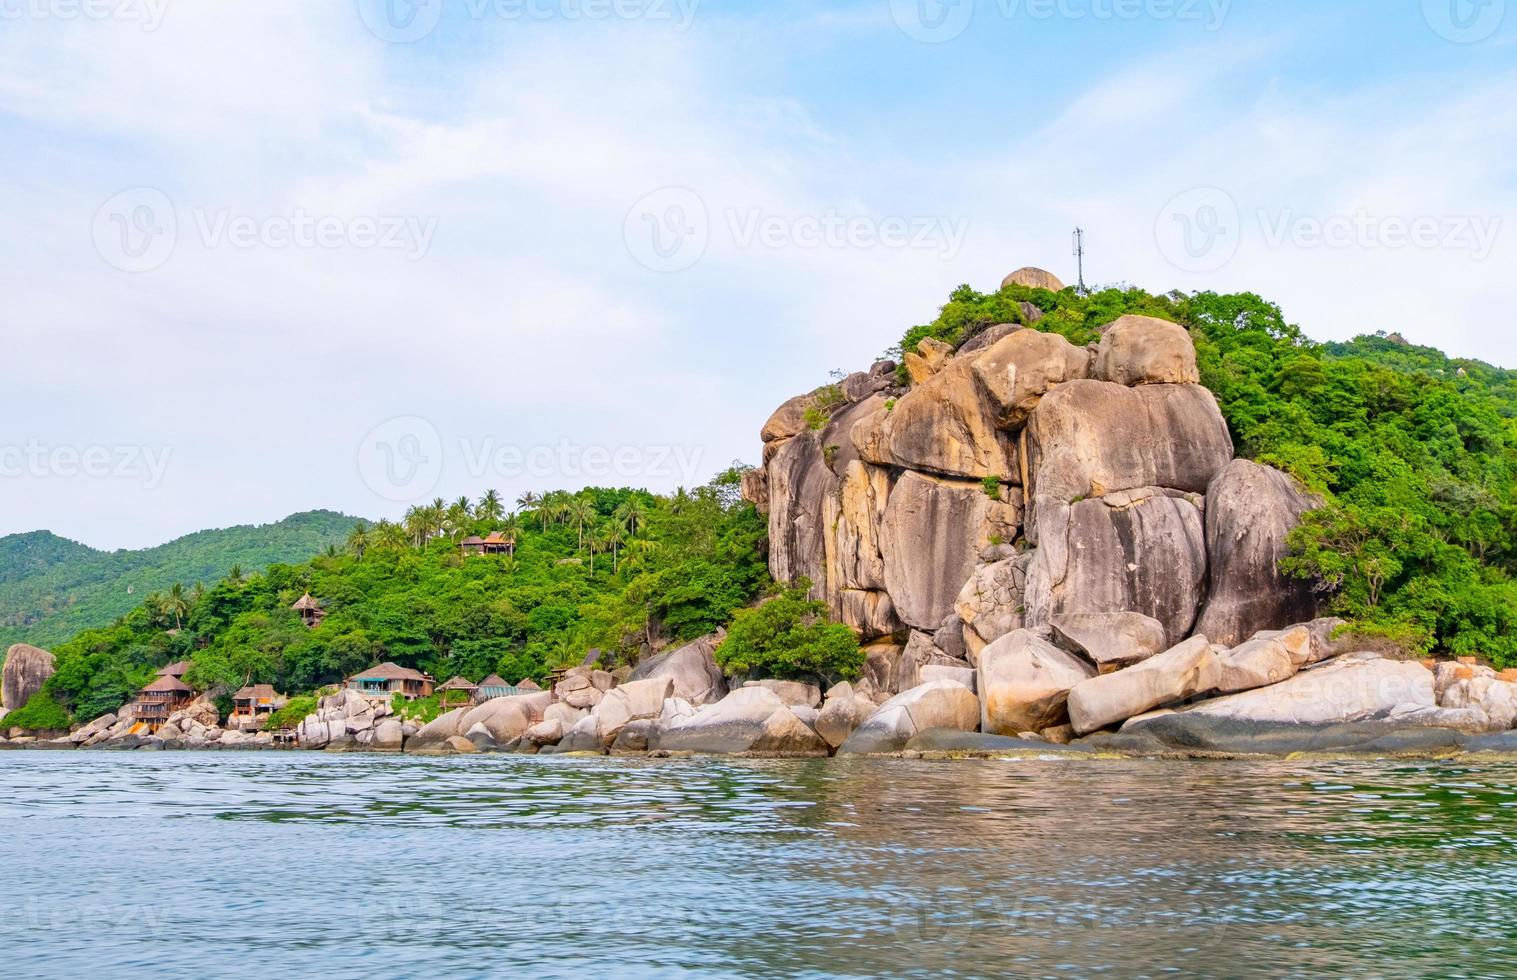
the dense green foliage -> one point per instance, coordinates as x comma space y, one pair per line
615, 569
40, 714
1414, 454
789, 636
51, 588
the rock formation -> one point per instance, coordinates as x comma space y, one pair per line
27, 668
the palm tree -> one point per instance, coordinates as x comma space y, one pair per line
358, 540
633, 513
177, 604
388, 534
614, 537
234, 577
459, 517
464, 505
416, 523
527, 500
581, 512
490, 507
509, 527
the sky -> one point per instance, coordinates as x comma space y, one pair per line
265, 256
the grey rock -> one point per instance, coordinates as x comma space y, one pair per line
1110, 640
27, 668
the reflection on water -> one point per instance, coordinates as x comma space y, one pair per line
299, 864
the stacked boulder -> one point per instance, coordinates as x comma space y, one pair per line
1019, 481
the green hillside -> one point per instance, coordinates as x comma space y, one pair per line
51, 588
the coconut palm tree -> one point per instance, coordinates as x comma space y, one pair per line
633, 513
458, 517
177, 604
580, 513
358, 540
510, 527
614, 537
490, 507
388, 534
235, 576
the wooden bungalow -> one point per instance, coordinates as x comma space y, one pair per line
160, 699
176, 670
252, 706
456, 693
527, 685
500, 544
310, 610
472, 545
386, 679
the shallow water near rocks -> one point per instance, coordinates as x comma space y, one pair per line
296, 864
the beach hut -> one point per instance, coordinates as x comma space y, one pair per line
456, 693
386, 679
472, 545
310, 610
160, 699
176, 670
492, 687
252, 705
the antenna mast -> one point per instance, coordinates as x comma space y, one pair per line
1080, 256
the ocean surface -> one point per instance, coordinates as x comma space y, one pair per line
295, 865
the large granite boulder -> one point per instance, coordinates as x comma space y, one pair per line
1174, 675
1034, 278
933, 532
1090, 438
1140, 551
435, 736
749, 720
691, 667
844, 711
1110, 640
946, 426
504, 718
1351, 688
1250, 509
1268, 658
940, 704
992, 603
1024, 684
853, 514
27, 668
797, 694
389, 736
633, 701
788, 420
1144, 350
1017, 371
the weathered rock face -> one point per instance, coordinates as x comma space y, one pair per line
27, 668
1140, 551
750, 719
992, 603
1142, 350
1350, 688
945, 425
1249, 511
940, 704
1182, 672
1024, 684
1017, 371
933, 532
1034, 278
1091, 438
692, 668
1111, 640
1020, 479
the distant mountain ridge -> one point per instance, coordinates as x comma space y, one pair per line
51, 587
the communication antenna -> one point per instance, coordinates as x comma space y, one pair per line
1080, 256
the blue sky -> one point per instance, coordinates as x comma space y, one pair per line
264, 257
